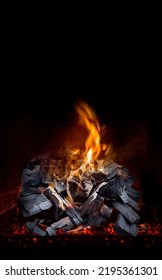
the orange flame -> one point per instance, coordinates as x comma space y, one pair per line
89, 120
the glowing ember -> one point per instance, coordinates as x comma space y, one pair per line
155, 229
143, 229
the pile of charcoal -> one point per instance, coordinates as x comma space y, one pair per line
84, 199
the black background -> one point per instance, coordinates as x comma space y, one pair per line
117, 75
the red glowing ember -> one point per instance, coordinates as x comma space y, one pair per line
143, 229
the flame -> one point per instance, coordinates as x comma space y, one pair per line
79, 159
89, 120
89, 156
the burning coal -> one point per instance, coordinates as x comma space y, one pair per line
83, 189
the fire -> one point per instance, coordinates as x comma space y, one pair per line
89, 156
83, 162
89, 120
87, 159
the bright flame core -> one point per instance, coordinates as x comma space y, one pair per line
89, 120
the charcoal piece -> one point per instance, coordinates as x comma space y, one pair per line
33, 204
111, 175
133, 193
127, 212
106, 211
65, 224
106, 191
31, 224
133, 229
30, 180
124, 197
95, 220
51, 197
26, 173
60, 187
76, 190
91, 205
88, 186
112, 166
123, 227
39, 231
128, 182
132, 203
117, 187
98, 176
35, 177
33, 228
55, 202
65, 205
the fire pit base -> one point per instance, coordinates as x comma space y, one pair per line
98, 243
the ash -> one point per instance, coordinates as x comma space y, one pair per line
52, 201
